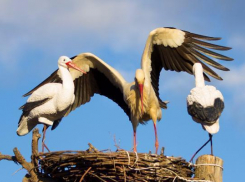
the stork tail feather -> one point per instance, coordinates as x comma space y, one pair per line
163, 104
212, 129
25, 126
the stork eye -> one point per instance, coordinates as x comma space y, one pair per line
64, 60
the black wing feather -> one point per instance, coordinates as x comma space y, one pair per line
211, 53
209, 45
182, 58
86, 86
198, 36
56, 123
107, 89
208, 60
31, 105
27, 107
155, 74
208, 115
53, 78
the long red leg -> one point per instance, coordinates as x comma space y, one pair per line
156, 138
44, 133
135, 149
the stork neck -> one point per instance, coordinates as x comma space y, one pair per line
67, 80
199, 79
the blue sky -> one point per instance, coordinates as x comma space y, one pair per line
35, 34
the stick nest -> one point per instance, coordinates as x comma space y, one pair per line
92, 165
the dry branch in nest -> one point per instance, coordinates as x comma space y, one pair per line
93, 165
112, 166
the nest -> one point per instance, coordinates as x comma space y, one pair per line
93, 165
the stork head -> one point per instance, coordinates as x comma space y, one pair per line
139, 80
66, 62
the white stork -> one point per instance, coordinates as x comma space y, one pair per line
50, 102
168, 48
205, 104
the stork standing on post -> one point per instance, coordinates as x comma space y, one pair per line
205, 104
50, 102
168, 48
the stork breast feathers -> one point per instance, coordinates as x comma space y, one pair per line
168, 37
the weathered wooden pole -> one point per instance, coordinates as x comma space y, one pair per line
210, 168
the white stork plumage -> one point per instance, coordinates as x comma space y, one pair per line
50, 102
205, 104
168, 48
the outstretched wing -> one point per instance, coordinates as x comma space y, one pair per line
178, 50
100, 79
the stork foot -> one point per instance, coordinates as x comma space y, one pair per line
135, 150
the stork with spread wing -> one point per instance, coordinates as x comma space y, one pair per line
168, 48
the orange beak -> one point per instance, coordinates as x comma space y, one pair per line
71, 65
141, 86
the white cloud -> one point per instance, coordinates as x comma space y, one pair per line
175, 82
235, 78
81, 26
237, 41
59, 26
45, 22
234, 85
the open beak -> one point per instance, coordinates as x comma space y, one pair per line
141, 97
71, 65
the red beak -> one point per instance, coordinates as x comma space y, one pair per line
71, 65
141, 86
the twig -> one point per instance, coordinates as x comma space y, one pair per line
35, 137
115, 143
113, 165
162, 151
17, 171
28, 166
190, 180
85, 174
92, 148
96, 176
109, 178
7, 157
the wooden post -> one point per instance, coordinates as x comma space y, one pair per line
209, 167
